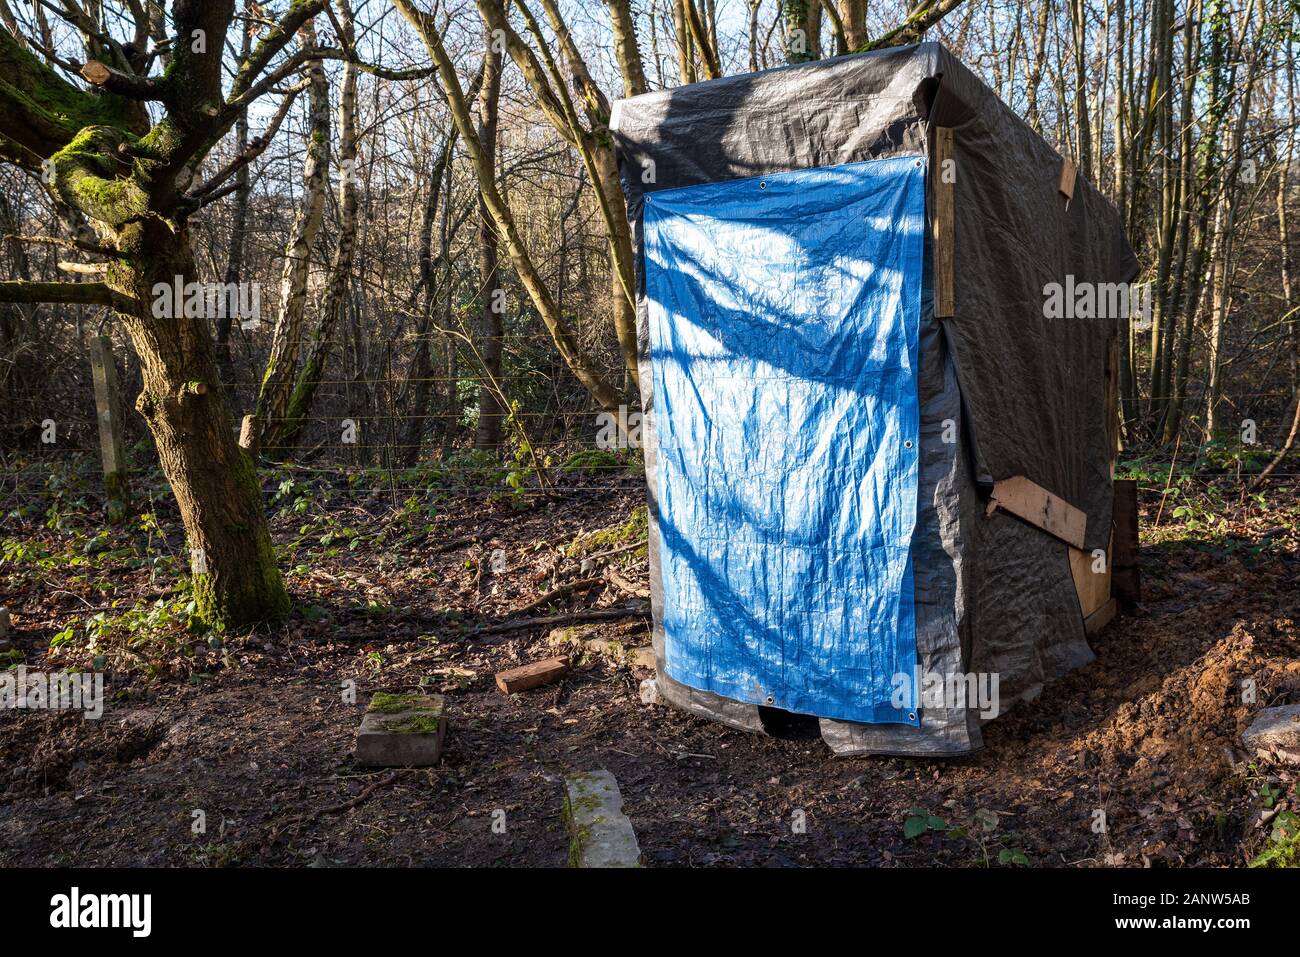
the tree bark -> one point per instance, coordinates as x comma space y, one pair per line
100, 155
492, 298
340, 276
286, 340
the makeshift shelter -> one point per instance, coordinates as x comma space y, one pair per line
873, 452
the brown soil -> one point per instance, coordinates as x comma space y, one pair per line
258, 736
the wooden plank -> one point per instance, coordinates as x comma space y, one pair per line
532, 675
1037, 506
1068, 176
108, 412
942, 172
1092, 587
1126, 574
1100, 618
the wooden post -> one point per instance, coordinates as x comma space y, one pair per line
248, 435
1126, 577
941, 220
117, 486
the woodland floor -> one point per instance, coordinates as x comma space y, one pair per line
253, 729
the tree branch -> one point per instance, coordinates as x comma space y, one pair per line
913, 28
75, 293
255, 148
296, 60
123, 84
67, 243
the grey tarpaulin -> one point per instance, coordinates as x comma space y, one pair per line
993, 594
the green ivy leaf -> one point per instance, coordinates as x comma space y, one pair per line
914, 827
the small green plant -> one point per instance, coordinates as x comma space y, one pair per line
919, 821
981, 830
1283, 846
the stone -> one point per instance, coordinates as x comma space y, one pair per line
643, 657
4, 622
569, 635
1275, 732
402, 731
650, 692
600, 834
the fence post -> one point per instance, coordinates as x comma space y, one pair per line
248, 435
117, 487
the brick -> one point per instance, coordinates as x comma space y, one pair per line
543, 672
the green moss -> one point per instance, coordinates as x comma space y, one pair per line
635, 528
58, 102
415, 724
579, 834
386, 703
591, 462
1280, 853
89, 176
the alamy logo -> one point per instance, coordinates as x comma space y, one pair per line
618, 432
62, 691
930, 689
74, 910
1097, 300
209, 300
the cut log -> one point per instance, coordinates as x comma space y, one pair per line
544, 672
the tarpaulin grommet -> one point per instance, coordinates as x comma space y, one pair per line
907, 443
911, 716
762, 185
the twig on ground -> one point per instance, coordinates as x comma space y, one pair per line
615, 613
559, 592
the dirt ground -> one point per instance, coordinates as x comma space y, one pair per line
255, 731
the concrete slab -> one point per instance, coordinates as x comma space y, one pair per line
600, 834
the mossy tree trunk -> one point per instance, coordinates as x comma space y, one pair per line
491, 409
236, 580
340, 276
273, 399
134, 181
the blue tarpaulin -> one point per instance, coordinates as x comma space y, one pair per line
784, 315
